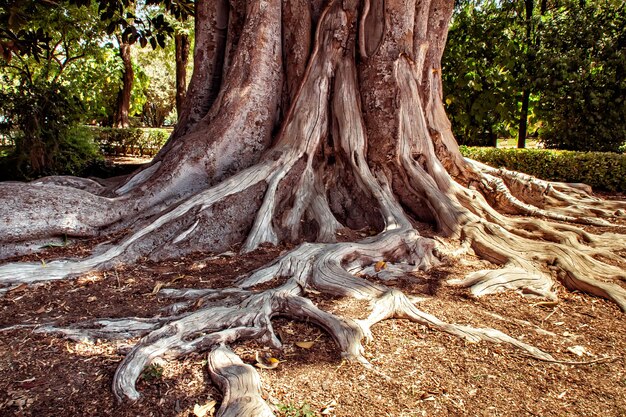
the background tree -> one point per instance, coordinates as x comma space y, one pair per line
328, 127
38, 109
155, 95
481, 72
550, 64
582, 77
182, 42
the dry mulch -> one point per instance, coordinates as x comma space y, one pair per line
418, 372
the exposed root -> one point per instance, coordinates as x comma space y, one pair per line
523, 194
240, 384
520, 258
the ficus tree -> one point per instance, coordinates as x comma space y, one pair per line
306, 121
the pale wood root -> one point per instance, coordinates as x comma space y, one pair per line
240, 384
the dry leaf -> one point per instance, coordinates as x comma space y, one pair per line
19, 288
157, 287
272, 363
329, 408
204, 410
380, 265
577, 350
305, 345
88, 279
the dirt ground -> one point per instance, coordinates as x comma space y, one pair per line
418, 372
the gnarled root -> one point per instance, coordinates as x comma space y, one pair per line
309, 268
240, 384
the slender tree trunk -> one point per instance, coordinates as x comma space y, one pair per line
182, 54
123, 98
523, 119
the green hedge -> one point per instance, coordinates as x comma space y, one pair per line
132, 141
601, 170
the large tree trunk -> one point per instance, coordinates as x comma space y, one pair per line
317, 121
122, 109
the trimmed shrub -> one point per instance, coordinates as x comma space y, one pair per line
601, 170
133, 141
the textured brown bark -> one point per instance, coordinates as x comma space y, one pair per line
123, 98
307, 120
211, 26
182, 55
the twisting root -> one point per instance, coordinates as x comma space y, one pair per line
240, 384
311, 267
519, 193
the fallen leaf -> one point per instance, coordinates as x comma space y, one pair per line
88, 279
577, 350
329, 408
19, 288
305, 345
157, 287
204, 410
380, 265
272, 363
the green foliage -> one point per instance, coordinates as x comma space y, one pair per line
570, 55
291, 410
582, 77
95, 83
152, 373
42, 120
481, 68
601, 170
156, 84
18, 38
132, 141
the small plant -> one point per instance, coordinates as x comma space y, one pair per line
152, 373
291, 410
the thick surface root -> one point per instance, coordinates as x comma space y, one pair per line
314, 268
240, 384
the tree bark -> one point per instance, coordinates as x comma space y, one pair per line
181, 41
121, 118
320, 124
